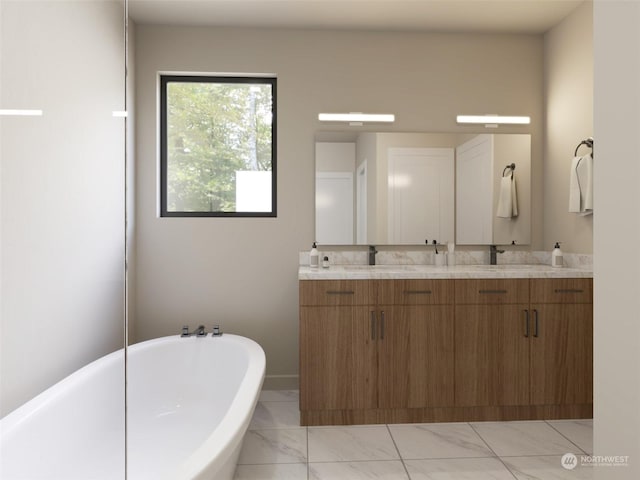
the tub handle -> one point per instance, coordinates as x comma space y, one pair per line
216, 331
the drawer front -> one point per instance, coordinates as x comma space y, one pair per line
561, 290
492, 291
334, 292
414, 292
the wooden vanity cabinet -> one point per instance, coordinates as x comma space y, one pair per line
397, 351
491, 350
338, 358
562, 341
369, 348
521, 347
415, 351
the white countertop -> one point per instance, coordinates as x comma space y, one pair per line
381, 272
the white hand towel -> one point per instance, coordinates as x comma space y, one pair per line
585, 176
507, 199
574, 186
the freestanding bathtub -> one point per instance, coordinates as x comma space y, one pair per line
189, 402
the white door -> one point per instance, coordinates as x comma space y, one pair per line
334, 208
474, 193
361, 204
420, 195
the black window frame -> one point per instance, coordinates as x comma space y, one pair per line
169, 78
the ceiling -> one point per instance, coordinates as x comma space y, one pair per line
502, 16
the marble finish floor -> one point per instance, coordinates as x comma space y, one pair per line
276, 447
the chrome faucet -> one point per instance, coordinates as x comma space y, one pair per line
198, 332
493, 254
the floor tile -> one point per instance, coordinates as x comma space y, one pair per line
448, 440
274, 446
523, 438
279, 396
579, 432
387, 470
340, 444
458, 469
291, 471
546, 468
275, 415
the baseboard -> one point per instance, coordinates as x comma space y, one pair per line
281, 382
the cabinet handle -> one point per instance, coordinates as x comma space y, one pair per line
526, 323
491, 291
373, 325
382, 325
417, 292
569, 290
535, 327
340, 292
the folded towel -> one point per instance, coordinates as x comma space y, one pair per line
574, 186
581, 185
585, 176
507, 198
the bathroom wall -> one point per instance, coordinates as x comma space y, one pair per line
568, 85
616, 237
242, 273
62, 192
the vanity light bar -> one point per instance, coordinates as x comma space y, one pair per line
357, 117
20, 113
493, 119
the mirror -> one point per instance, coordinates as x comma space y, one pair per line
388, 188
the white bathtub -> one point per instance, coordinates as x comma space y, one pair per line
189, 403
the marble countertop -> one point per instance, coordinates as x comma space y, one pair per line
381, 272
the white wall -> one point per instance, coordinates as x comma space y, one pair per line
617, 236
242, 273
62, 192
568, 83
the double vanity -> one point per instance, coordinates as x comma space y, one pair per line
412, 343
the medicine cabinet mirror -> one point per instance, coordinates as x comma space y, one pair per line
388, 188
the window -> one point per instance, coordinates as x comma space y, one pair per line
217, 146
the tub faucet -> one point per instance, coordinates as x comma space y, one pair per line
493, 254
198, 332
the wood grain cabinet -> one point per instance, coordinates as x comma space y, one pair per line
395, 351
561, 342
362, 355
491, 352
519, 349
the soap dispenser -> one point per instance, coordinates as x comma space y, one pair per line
557, 259
314, 256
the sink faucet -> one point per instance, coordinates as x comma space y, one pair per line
493, 254
372, 254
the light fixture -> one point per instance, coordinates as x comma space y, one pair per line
20, 113
357, 117
494, 119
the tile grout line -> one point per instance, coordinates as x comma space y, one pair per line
493, 451
308, 467
406, 471
568, 439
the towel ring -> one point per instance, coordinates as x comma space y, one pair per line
588, 142
511, 166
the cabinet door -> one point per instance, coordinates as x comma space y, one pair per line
491, 355
562, 354
337, 358
415, 363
